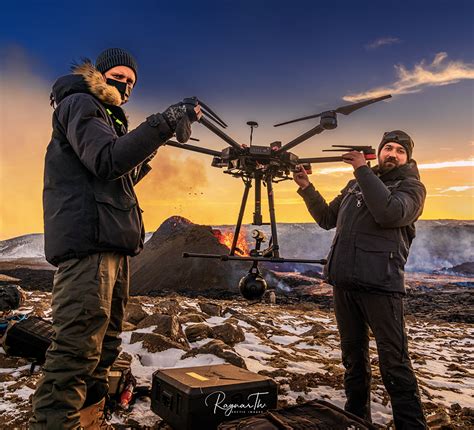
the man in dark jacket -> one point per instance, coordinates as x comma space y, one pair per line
374, 216
93, 224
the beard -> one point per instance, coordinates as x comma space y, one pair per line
388, 164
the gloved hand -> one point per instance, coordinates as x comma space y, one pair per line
180, 116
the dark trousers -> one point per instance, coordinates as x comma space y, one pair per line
89, 299
356, 312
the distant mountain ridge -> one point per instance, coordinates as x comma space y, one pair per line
438, 244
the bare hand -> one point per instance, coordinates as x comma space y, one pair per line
301, 177
197, 109
355, 158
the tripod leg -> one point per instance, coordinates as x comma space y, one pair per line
271, 204
248, 184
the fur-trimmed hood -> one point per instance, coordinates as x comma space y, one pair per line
85, 78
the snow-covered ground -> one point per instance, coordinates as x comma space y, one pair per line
297, 345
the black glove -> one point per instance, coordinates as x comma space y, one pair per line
179, 117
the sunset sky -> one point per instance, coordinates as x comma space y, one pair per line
266, 61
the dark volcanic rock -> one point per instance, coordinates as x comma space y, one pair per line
212, 309
191, 318
169, 307
155, 342
451, 306
172, 225
161, 266
166, 325
31, 279
219, 349
198, 332
134, 313
315, 330
464, 268
228, 333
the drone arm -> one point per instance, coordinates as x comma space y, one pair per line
305, 136
226, 138
193, 148
319, 160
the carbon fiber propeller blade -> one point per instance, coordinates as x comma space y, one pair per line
345, 110
298, 119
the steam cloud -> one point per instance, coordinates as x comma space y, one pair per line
438, 244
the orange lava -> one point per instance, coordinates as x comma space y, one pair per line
226, 239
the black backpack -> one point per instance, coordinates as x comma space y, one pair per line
11, 297
29, 338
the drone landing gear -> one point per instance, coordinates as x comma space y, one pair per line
272, 253
273, 250
253, 285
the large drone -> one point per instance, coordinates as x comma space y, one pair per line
266, 164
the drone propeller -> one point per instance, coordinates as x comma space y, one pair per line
345, 110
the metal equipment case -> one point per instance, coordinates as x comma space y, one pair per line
196, 398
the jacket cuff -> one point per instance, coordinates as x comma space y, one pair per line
362, 172
158, 121
307, 192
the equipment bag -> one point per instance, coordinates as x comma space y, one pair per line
8, 319
313, 415
29, 338
11, 297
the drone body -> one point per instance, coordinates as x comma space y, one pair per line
267, 165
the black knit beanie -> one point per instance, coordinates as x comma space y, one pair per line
400, 137
115, 57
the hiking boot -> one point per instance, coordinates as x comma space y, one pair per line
94, 417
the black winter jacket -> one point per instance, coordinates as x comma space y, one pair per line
91, 167
374, 219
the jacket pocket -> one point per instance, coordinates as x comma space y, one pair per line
119, 225
374, 258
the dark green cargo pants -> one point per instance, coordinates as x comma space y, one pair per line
89, 299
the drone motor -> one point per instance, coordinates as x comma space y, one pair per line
328, 120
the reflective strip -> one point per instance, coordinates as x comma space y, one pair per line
113, 117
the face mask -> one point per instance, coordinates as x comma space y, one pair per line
122, 87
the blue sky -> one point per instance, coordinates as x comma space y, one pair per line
234, 52
266, 60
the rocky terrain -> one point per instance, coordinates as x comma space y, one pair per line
188, 312
294, 343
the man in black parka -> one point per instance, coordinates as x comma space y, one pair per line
93, 224
374, 216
